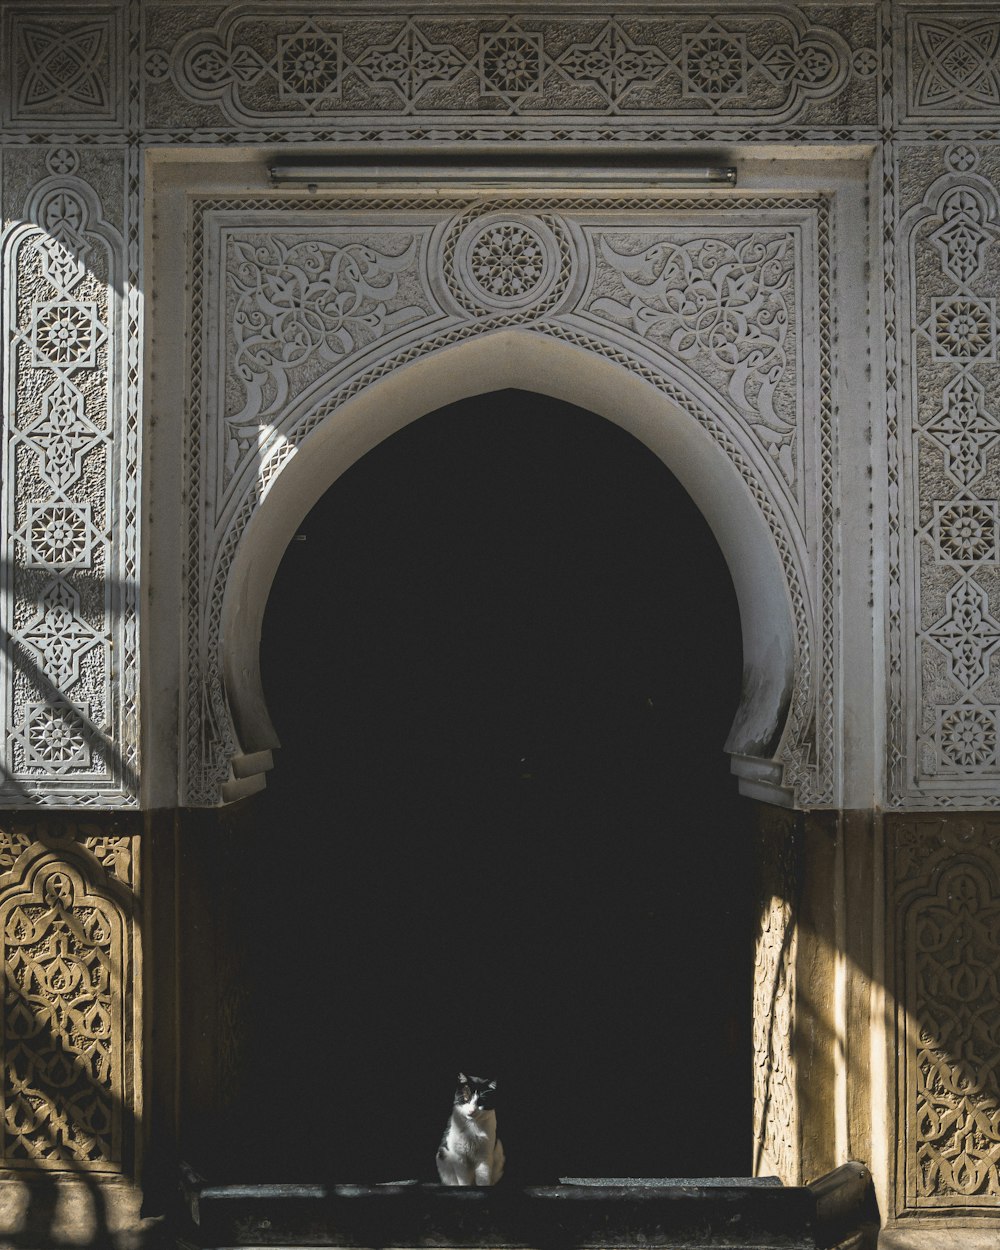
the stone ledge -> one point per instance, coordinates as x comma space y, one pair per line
737, 1214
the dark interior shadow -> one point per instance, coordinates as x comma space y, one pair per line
501, 832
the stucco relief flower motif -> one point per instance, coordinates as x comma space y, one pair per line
966, 532
64, 334
59, 536
309, 65
54, 738
712, 296
52, 734
969, 737
715, 65
961, 157
963, 328
308, 301
157, 65
62, 161
864, 62
511, 63
507, 260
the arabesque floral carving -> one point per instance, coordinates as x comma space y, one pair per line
305, 300
717, 298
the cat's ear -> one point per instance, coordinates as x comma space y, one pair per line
462, 1078
492, 1085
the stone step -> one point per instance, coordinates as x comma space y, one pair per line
671, 1214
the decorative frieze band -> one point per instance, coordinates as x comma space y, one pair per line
317, 65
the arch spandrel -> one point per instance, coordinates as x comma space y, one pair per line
696, 335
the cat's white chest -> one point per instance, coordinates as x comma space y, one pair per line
472, 1139
471, 1153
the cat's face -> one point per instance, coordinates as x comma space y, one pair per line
475, 1095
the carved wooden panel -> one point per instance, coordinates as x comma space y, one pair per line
66, 1035
945, 876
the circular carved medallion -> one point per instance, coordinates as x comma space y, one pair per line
504, 263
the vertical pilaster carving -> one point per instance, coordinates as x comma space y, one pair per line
67, 696
68, 1042
951, 234
775, 1123
946, 880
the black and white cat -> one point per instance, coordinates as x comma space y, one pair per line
470, 1152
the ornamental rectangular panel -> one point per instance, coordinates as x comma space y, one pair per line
71, 438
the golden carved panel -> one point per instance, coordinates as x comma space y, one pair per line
946, 875
66, 1041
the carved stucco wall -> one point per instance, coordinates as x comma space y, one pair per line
88, 88
721, 318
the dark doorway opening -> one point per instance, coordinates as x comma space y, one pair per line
502, 659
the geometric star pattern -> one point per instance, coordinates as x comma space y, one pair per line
967, 633
63, 69
961, 66
58, 536
410, 62
966, 531
54, 734
62, 435
964, 430
614, 62
58, 635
